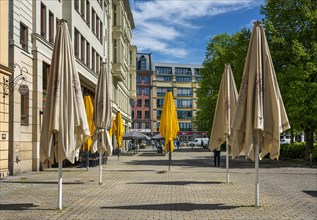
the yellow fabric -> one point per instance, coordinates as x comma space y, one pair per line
120, 129
169, 123
113, 129
89, 112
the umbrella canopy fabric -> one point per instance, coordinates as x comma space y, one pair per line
113, 129
226, 103
260, 115
89, 113
157, 137
102, 114
169, 123
135, 135
65, 127
120, 129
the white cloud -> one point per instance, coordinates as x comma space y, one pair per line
160, 25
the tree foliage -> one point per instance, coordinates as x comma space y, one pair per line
291, 28
222, 49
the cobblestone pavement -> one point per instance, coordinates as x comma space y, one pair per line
141, 187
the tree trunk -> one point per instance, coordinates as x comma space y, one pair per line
309, 136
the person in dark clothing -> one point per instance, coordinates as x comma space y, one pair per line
217, 156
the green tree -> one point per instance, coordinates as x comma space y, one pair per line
291, 29
222, 49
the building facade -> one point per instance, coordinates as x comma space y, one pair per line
5, 73
142, 106
97, 38
182, 80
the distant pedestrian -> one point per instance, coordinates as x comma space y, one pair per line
217, 156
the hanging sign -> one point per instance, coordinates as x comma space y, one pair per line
23, 89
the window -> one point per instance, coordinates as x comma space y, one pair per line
51, 28
97, 27
87, 54
139, 90
45, 72
197, 71
114, 15
43, 20
93, 21
76, 5
147, 125
184, 114
25, 109
132, 114
132, 102
139, 125
162, 90
159, 103
97, 63
24, 36
146, 91
146, 80
93, 61
183, 79
184, 92
114, 51
82, 8
139, 114
83, 44
184, 103
158, 113
76, 43
88, 12
158, 126
164, 78
146, 103
101, 30
183, 71
163, 70
139, 104
185, 126
147, 115
139, 79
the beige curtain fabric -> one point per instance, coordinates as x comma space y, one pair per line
65, 127
102, 114
226, 103
260, 115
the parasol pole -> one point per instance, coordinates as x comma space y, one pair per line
100, 167
60, 184
169, 156
257, 185
227, 160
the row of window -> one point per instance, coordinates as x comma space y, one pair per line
50, 24
183, 126
141, 125
181, 103
146, 91
84, 55
139, 103
178, 70
84, 11
180, 114
139, 114
146, 79
180, 91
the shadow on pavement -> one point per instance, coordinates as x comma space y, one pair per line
17, 206
313, 193
174, 207
42, 182
164, 162
180, 183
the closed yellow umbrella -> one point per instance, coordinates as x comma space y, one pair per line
113, 129
89, 112
120, 129
169, 124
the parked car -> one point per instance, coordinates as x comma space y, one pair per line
186, 143
201, 142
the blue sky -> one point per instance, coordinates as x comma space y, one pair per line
178, 31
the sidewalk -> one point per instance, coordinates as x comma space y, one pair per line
140, 187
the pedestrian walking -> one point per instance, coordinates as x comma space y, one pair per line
217, 156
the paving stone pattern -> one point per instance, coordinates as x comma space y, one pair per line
141, 187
